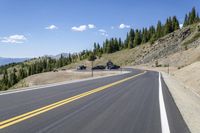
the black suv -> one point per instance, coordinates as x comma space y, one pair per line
81, 67
100, 67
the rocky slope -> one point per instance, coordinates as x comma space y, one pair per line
177, 49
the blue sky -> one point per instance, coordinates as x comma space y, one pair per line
32, 28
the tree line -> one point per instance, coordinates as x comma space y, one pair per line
191, 18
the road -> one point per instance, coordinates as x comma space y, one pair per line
136, 102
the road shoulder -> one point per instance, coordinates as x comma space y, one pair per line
187, 102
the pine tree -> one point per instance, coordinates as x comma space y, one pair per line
120, 44
192, 16
153, 38
151, 32
175, 24
13, 77
186, 22
168, 26
137, 39
5, 77
116, 45
126, 41
131, 35
159, 30
130, 44
109, 48
95, 48
21, 74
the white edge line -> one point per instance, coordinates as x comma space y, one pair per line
55, 84
163, 114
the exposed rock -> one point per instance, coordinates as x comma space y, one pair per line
166, 46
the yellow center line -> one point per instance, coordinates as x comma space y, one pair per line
17, 119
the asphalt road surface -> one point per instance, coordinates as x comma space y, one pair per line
136, 102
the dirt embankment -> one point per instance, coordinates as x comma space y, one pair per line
190, 76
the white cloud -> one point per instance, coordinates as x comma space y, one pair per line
14, 39
104, 34
51, 27
91, 26
102, 30
80, 28
181, 25
112, 27
123, 26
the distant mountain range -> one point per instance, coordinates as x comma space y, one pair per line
4, 61
58, 55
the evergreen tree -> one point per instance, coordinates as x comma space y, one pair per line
5, 77
130, 44
192, 16
175, 24
159, 30
126, 41
116, 45
95, 48
153, 38
186, 21
131, 35
120, 44
144, 35
13, 77
21, 74
151, 32
168, 26
137, 39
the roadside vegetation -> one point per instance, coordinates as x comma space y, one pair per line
13, 73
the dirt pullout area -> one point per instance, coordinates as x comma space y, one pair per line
60, 76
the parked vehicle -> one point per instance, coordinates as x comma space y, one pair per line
114, 67
110, 65
81, 67
100, 67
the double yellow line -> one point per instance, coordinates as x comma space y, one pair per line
17, 119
